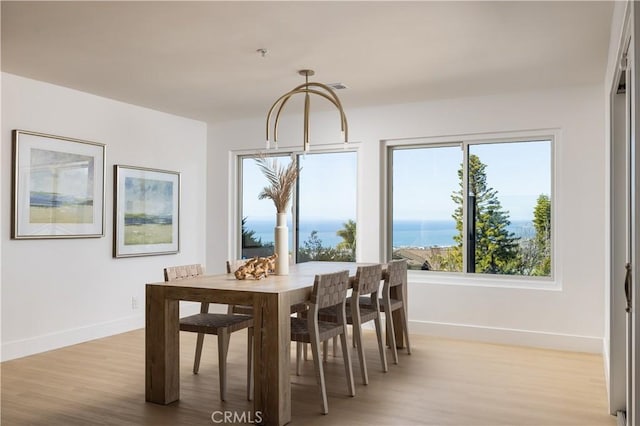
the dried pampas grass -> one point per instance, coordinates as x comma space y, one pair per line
281, 181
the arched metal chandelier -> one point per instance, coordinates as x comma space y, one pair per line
308, 88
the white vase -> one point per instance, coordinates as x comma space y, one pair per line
282, 245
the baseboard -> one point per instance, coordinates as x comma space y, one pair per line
25, 347
46, 342
564, 342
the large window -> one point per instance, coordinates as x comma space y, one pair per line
322, 215
472, 207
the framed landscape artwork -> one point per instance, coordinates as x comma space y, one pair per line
147, 209
58, 187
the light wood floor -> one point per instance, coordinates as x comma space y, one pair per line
444, 382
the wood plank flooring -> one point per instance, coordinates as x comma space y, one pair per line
443, 382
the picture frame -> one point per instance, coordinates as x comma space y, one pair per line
57, 187
146, 211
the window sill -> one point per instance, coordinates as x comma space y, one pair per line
499, 281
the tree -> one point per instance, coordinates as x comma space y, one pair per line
348, 235
313, 250
542, 240
496, 249
248, 236
252, 246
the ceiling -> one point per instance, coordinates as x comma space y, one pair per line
199, 59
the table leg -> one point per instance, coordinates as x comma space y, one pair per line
395, 293
272, 342
162, 347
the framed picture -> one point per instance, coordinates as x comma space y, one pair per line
146, 212
58, 187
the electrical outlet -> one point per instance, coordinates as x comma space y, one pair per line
134, 303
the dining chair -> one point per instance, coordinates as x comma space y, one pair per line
395, 278
366, 283
329, 290
221, 325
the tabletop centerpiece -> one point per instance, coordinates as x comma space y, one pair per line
281, 180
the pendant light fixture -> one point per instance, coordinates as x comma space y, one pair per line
308, 88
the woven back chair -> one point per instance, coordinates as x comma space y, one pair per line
221, 325
395, 278
366, 283
329, 290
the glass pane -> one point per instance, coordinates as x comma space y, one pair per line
258, 216
425, 185
327, 207
510, 187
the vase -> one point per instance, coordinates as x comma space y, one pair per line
282, 245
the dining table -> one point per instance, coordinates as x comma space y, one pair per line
271, 298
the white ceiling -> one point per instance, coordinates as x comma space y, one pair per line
199, 60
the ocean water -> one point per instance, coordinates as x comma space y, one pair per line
406, 233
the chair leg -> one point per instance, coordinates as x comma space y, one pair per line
305, 350
298, 346
357, 337
298, 353
405, 327
325, 350
383, 353
315, 351
223, 346
335, 343
250, 363
226, 349
391, 337
196, 360
347, 362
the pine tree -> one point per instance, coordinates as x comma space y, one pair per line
542, 241
496, 248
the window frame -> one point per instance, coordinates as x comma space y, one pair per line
464, 141
235, 190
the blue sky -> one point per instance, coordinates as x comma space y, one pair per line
424, 180
328, 184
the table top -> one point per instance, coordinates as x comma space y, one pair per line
301, 275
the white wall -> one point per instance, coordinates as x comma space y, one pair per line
60, 292
570, 318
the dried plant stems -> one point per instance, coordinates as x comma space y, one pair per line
281, 181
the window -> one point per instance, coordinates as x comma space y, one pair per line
322, 219
502, 225
258, 217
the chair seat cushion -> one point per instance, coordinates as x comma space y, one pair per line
330, 314
365, 302
300, 330
211, 323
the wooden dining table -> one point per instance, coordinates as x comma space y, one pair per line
271, 299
